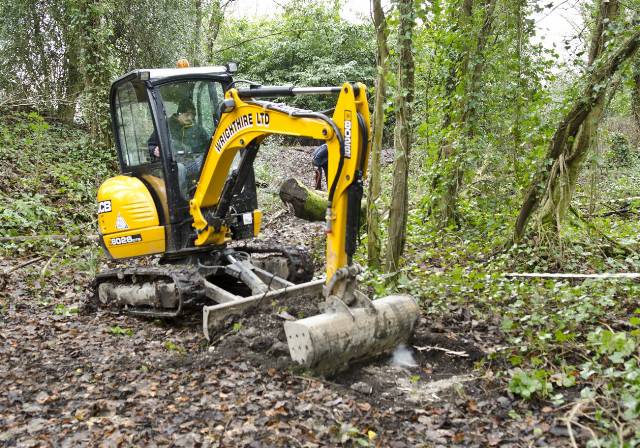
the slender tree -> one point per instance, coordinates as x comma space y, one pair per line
214, 23
549, 194
635, 93
464, 83
94, 32
403, 135
373, 197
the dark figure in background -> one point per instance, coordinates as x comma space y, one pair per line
186, 137
320, 161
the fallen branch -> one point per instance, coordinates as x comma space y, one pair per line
447, 351
308, 204
619, 212
20, 266
622, 247
31, 237
615, 275
613, 201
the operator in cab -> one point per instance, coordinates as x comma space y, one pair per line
187, 137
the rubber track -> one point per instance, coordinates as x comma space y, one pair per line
189, 285
189, 282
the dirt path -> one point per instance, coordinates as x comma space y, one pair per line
76, 376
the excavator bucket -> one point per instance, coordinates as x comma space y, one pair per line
327, 343
352, 327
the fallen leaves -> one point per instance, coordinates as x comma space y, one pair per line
99, 379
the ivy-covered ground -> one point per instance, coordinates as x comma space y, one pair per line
495, 361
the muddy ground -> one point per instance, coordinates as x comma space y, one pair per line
73, 375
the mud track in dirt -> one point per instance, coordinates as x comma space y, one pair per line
102, 379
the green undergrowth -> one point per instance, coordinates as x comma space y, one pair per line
569, 344
48, 182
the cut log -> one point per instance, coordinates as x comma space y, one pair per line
307, 204
311, 204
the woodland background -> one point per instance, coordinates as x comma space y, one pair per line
504, 161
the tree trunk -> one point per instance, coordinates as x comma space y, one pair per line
194, 58
635, 93
307, 204
549, 195
403, 135
73, 88
216, 15
517, 100
373, 212
452, 156
94, 31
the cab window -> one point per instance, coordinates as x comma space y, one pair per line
134, 124
190, 112
190, 109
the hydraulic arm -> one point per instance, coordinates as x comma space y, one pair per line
352, 326
245, 121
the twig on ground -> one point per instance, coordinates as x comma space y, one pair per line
447, 351
274, 217
605, 276
320, 380
586, 428
6, 239
20, 266
46, 266
213, 344
569, 420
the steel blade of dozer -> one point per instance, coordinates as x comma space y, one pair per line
328, 342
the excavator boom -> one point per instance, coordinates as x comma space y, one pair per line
247, 121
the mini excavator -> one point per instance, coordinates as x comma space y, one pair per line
187, 139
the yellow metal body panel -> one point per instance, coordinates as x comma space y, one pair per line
127, 218
251, 121
257, 222
135, 243
158, 186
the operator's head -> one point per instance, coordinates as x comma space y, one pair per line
186, 112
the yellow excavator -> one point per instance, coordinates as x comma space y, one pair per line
186, 140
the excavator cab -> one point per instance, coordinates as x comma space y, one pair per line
163, 122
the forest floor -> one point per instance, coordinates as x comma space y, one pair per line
75, 375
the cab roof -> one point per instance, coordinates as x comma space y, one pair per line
159, 74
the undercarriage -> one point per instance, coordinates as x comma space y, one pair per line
234, 279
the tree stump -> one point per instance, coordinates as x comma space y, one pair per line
307, 204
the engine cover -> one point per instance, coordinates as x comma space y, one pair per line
128, 219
